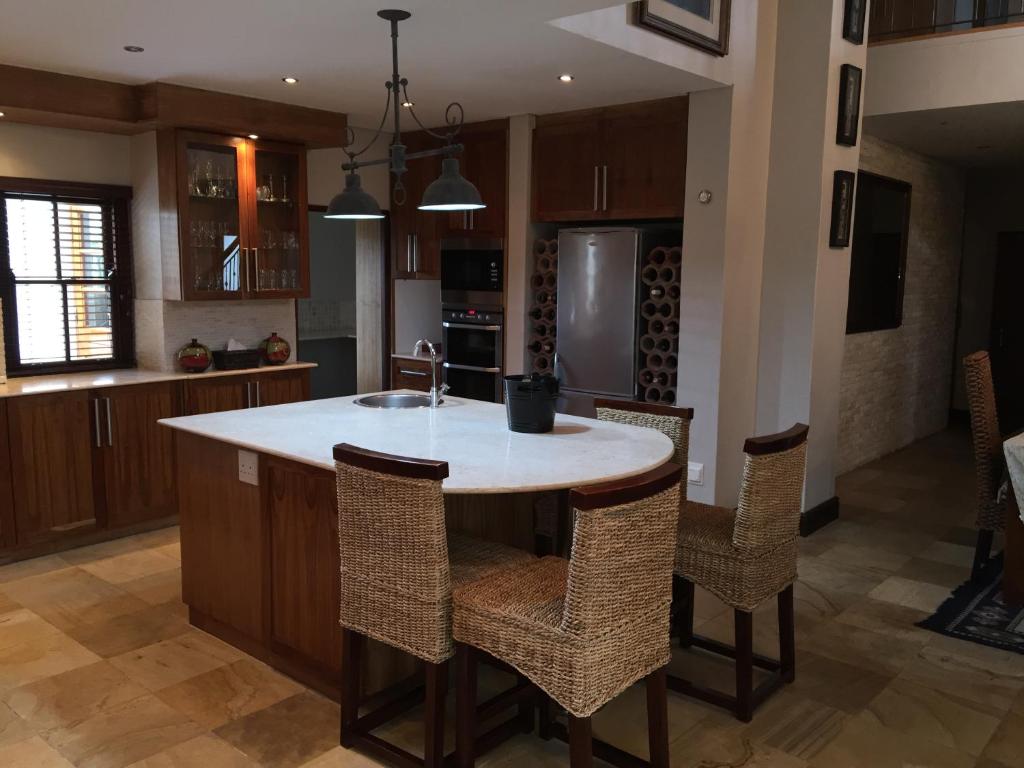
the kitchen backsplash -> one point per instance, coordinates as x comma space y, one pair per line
163, 327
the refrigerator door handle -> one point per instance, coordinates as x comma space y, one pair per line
595, 186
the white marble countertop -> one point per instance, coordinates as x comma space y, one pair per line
472, 436
66, 382
1014, 451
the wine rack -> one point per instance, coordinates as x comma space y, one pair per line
659, 325
543, 305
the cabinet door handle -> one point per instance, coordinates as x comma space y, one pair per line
259, 398
256, 267
407, 372
415, 253
110, 424
248, 394
605, 185
595, 187
96, 422
408, 253
472, 219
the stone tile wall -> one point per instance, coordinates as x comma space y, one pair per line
896, 384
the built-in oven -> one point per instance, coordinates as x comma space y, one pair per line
472, 273
473, 340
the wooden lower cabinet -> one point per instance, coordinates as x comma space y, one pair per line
7, 533
51, 440
216, 394
136, 454
247, 390
281, 388
412, 374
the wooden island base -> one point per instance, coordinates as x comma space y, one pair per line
260, 565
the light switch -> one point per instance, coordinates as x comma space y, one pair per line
249, 467
694, 473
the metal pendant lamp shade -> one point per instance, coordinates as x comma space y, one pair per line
451, 191
353, 202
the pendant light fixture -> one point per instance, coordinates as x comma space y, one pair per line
451, 191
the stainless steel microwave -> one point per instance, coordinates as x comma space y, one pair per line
472, 273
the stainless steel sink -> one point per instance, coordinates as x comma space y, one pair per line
394, 400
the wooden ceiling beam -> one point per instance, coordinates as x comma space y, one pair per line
47, 98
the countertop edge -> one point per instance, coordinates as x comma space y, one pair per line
51, 384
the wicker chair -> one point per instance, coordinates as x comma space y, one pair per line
745, 556
673, 422
584, 629
398, 567
989, 461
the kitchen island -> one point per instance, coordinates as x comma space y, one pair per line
258, 509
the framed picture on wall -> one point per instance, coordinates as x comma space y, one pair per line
703, 24
853, 21
849, 105
843, 183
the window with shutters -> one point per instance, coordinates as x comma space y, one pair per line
65, 276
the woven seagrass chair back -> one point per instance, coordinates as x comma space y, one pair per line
771, 495
623, 549
988, 448
395, 575
670, 420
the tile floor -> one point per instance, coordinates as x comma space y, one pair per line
100, 669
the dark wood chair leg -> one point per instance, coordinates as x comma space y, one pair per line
581, 742
657, 718
526, 708
787, 636
465, 706
351, 664
982, 551
744, 665
682, 596
433, 716
547, 716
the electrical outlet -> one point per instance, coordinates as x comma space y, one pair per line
249, 467
694, 473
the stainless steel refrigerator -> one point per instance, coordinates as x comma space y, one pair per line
598, 294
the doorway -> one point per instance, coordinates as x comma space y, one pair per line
1007, 340
343, 325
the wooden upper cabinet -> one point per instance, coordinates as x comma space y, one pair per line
241, 210
566, 173
414, 233
51, 441
484, 162
625, 162
644, 158
135, 454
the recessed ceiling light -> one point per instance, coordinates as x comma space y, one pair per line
134, 48
566, 78
1, 114
253, 136
290, 80
408, 104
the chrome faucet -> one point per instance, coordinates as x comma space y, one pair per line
435, 393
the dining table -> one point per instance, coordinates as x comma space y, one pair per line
1013, 558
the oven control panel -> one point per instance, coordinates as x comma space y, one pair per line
481, 316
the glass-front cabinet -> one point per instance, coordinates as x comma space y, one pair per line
242, 226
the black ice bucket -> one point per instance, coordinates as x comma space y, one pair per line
530, 402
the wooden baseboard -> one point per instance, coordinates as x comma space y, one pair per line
816, 518
74, 541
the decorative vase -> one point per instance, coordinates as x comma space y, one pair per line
194, 357
276, 350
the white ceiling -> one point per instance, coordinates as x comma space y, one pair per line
497, 57
977, 136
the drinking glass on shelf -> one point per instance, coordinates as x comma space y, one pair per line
284, 189
211, 187
293, 279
